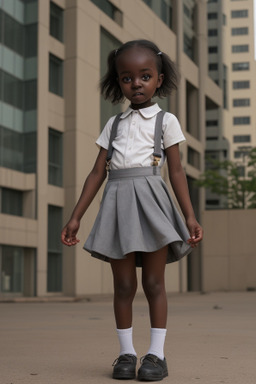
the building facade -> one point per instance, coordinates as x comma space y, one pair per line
52, 55
230, 131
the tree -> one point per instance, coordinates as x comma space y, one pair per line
225, 178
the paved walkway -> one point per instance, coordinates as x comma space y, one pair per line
211, 339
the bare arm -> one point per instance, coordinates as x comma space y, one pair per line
91, 186
180, 187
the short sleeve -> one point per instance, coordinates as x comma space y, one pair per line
103, 139
172, 133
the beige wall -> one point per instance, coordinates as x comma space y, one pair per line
229, 250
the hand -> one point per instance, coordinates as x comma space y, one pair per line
68, 234
196, 232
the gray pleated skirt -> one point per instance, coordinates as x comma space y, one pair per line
137, 214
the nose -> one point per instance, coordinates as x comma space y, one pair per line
136, 83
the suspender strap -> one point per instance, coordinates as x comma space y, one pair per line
112, 137
158, 133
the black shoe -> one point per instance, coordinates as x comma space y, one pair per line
152, 368
125, 367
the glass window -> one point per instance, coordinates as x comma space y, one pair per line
11, 202
193, 157
30, 95
242, 120
110, 10
11, 90
30, 40
239, 13
211, 123
240, 31
163, 9
213, 49
212, 15
242, 138
107, 44
240, 48
212, 32
11, 149
55, 158
12, 269
241, 84
13, 34
241, 66
56, 21
241, 102
54, 266
213, 67
55, 75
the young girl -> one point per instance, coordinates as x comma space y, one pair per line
137, 224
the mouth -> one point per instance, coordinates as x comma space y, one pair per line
138, 94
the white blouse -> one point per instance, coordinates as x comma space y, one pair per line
134, 142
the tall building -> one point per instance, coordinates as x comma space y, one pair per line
230, 131
52, 55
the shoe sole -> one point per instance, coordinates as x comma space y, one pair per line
152, 377
124, 377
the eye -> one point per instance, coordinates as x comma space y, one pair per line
126, 79
146, 77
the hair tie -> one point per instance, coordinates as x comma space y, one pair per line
116, 52
159, 53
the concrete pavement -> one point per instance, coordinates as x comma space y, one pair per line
211, 339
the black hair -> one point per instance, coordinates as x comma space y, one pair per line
109, 85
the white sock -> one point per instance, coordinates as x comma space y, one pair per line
125, 340
157, 339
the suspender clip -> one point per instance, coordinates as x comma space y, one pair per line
156, 159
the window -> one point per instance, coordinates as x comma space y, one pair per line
163, 9
241, 102
11, 201
213, 49
240, 31
112, 11
55, 75
11, 149
55, 158
193, 158
241, 66
240, 48
242, 120
11, 91
107, 44
11, 269
54, 265
239, 13
56, 21
242, 138
211, 123
212, 15
241, 84
213, 67
212, 32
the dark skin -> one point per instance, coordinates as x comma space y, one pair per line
138, 79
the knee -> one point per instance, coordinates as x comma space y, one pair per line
125, 289
152, 286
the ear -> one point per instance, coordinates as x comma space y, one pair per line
160, 80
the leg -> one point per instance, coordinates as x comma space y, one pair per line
153, 282
125, 286
154, 366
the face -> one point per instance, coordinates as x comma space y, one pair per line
138, 76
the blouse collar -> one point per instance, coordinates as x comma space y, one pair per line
147, 113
